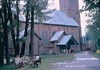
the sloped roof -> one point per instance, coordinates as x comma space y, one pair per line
57, 18
64, 40
57, 35
60, 18
21, 34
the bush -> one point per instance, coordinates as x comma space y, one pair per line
98, 51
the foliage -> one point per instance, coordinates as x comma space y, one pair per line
93, 27
97, 54
98, 51
91, 4
10, 10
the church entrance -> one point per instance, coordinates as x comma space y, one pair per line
62, 48
67, 47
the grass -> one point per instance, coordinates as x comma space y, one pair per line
46, 62
96, 55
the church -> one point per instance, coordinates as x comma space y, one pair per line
62, 32
59, 34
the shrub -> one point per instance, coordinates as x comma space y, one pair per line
98, 51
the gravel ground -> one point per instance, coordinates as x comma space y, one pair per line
82, 61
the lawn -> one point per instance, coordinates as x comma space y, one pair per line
46, 62
96, 55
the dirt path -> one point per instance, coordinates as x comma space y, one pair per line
82, 61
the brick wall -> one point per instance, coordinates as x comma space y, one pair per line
71, 8
46, 32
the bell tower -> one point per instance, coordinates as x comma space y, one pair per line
71, 8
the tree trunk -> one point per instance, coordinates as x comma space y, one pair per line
1, 42
26, 28
1, 53
17, 40
32, 33
12, 28
6, 32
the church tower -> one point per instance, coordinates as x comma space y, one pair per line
71, 8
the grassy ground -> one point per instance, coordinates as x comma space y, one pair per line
96, 55
46, 62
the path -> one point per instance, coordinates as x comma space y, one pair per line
82, 61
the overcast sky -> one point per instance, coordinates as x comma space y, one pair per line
83, 17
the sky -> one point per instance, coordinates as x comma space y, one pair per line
82, 15
83, 18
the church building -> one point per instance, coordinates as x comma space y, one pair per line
61, 33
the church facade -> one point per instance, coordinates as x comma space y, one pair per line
60, 34
67, 22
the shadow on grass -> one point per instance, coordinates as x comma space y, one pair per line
8, 67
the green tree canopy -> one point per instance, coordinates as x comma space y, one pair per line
93, 27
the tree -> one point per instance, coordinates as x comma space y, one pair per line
93, 6
36, 8
9, 12
6, 16
26, 28
4, 7
1, 40
10, 20
38, 13
17, 19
